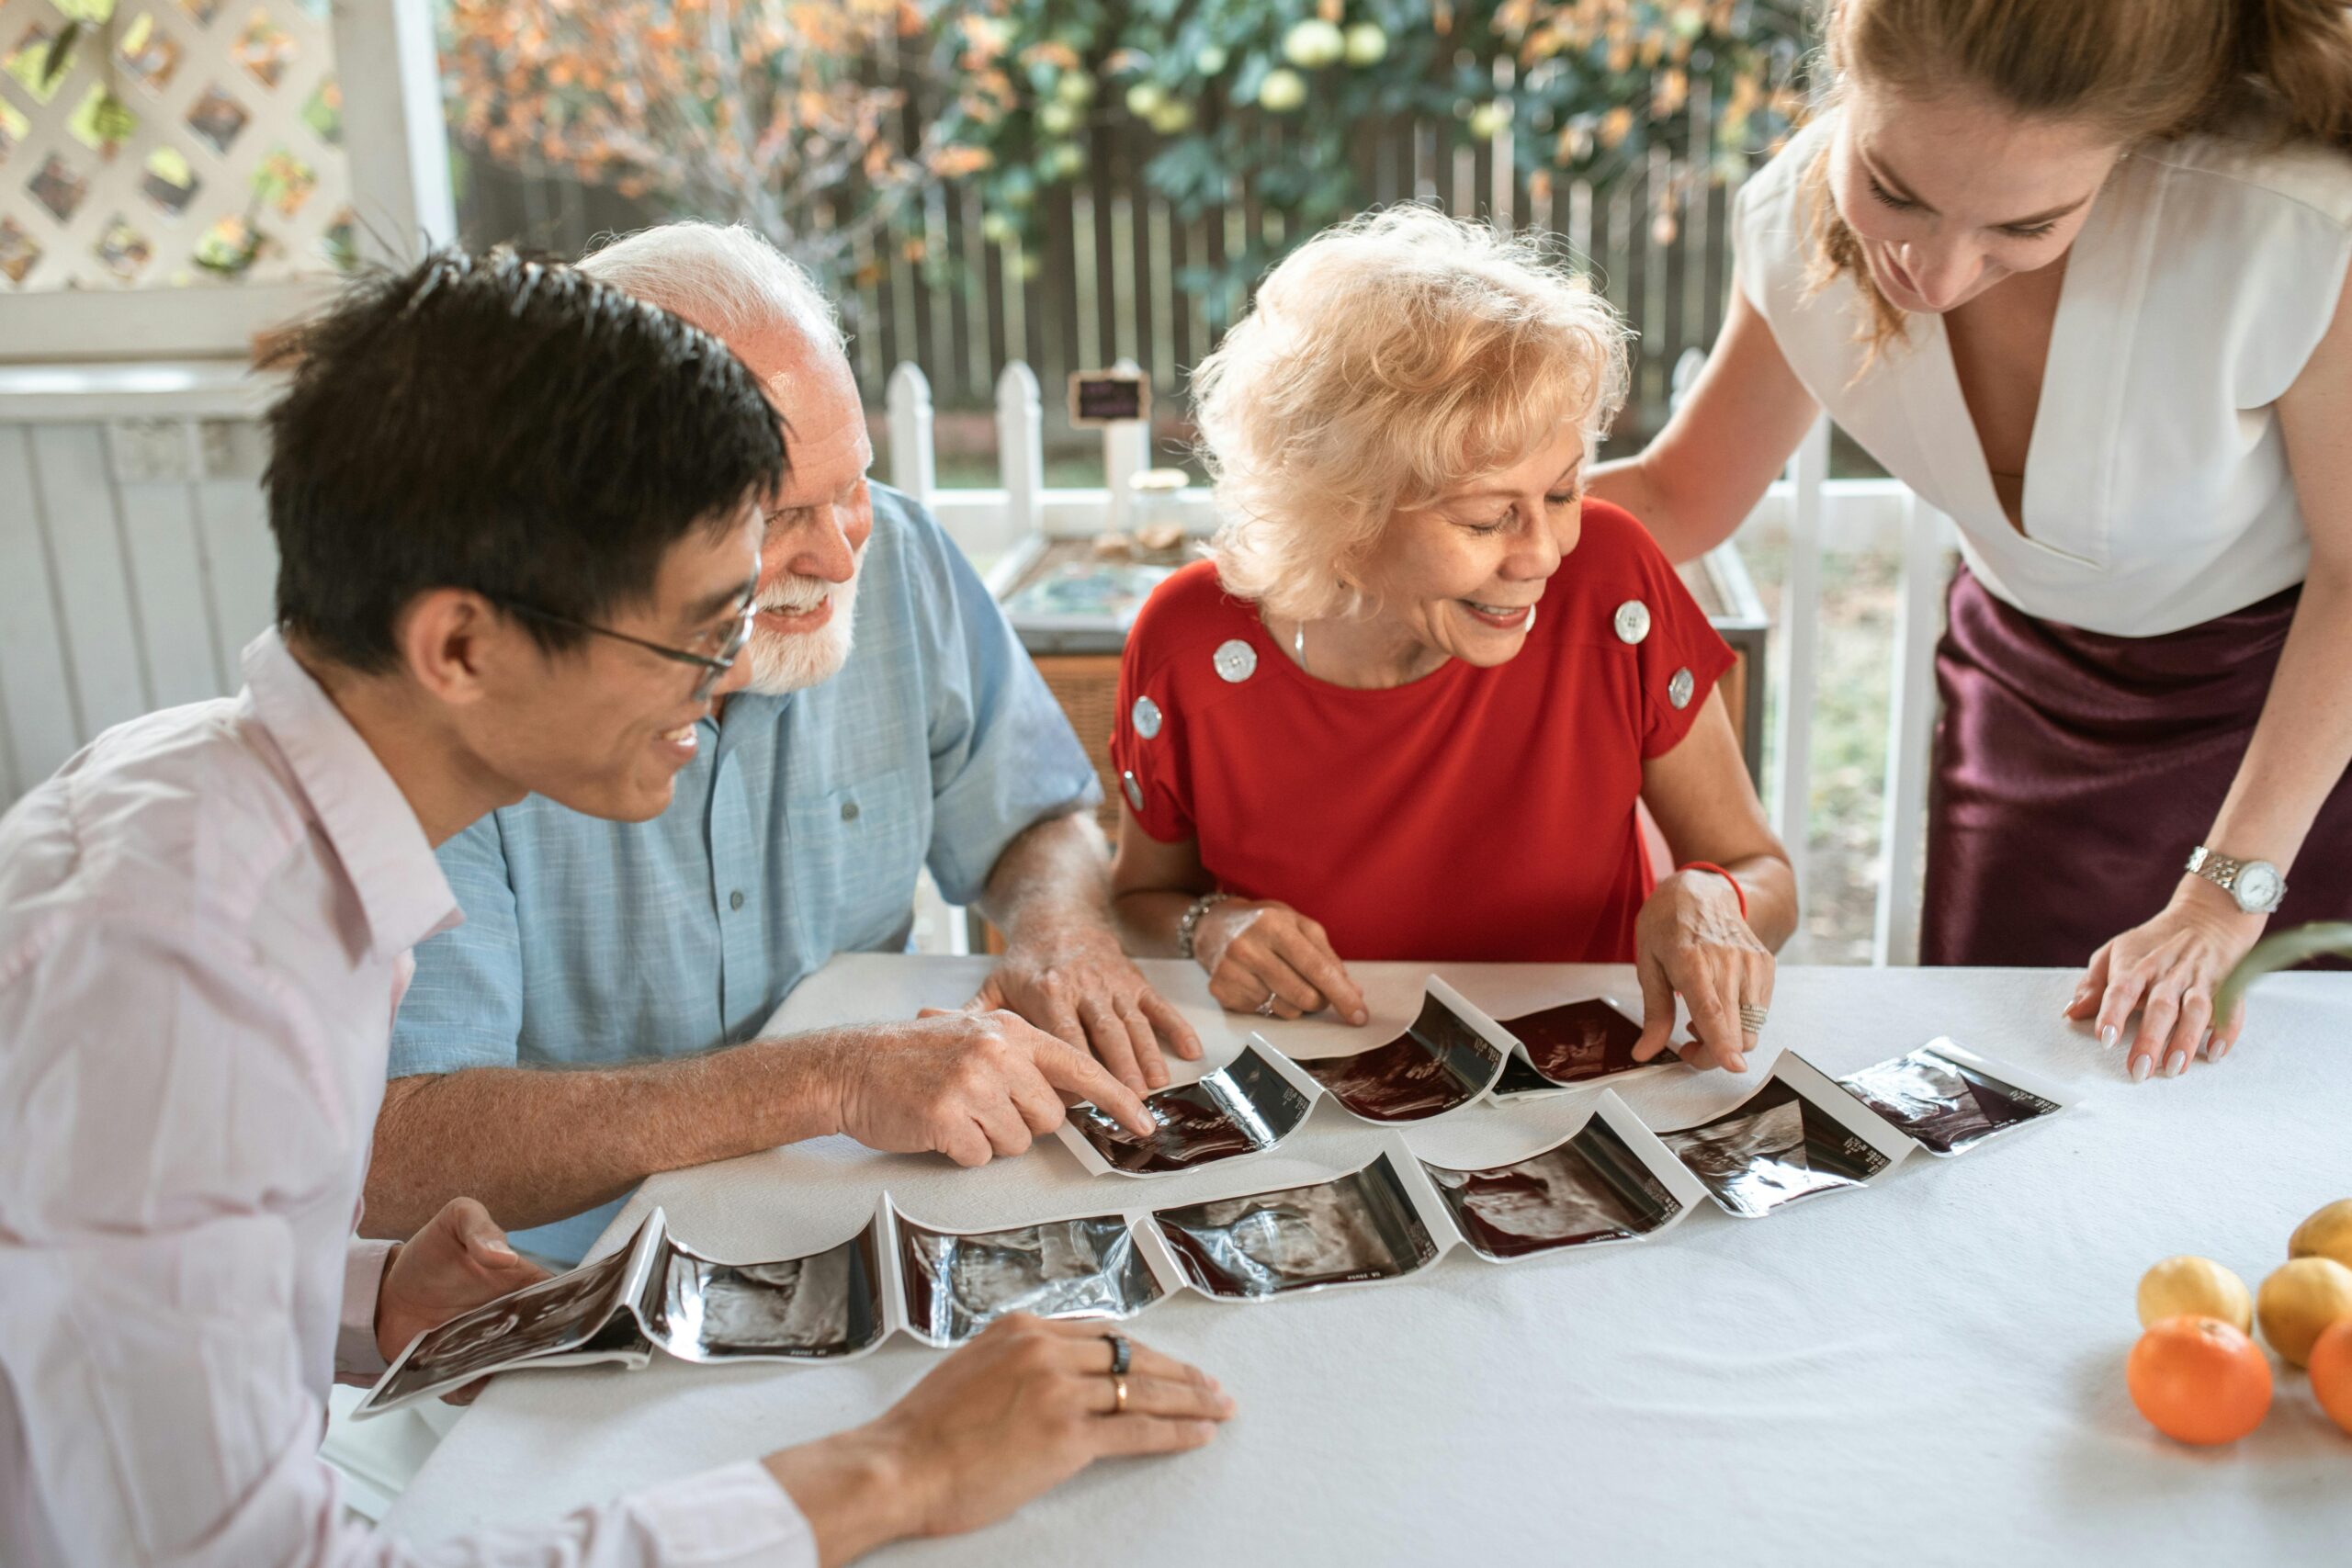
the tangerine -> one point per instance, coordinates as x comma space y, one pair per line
2198, 1380
2331, 1372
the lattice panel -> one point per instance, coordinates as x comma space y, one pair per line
187, 142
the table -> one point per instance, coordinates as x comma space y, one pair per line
1928, 1370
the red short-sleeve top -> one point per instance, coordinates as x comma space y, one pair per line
1475, 814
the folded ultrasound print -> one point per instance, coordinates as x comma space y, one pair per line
955, 1284
941, 1286
1572, 1045
1355, 1229
657, 1294
1949, 1101
1244, 1108
1797, 1136
1609, 1180
1450, 1055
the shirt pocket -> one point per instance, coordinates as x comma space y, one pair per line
855, 852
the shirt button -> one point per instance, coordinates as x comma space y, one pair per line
1633, 621
735, 899
1235, 659
1679, 690
849, 811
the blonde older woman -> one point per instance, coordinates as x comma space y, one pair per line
1407, 709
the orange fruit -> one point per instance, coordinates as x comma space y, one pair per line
2331, 1371
2199, 1380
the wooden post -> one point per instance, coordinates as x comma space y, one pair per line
389, 73
914, 466
1791, 802
1910, 731
1021, 448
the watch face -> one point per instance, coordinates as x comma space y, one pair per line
2258, 885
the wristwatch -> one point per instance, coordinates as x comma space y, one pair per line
2255, 884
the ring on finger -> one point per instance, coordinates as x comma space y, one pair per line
1122, 1354
1266, 1007
1751, 1018
1118, 1396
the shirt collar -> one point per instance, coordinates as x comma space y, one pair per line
362, 811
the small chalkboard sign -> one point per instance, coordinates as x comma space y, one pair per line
1109, 397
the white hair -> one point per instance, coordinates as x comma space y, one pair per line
726, 278
1387, 360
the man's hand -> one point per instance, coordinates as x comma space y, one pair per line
458, 1261
1076, 984
970, 1085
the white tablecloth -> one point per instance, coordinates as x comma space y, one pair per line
1928, 1370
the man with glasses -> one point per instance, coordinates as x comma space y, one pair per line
204, 930
599, 1016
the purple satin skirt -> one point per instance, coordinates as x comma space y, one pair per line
2075, 772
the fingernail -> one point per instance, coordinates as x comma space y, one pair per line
2107, 1036
1360, 1016
2140, 1068
2222, 1048
496, 1246
2176, 1063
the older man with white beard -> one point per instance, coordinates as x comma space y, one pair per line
597, 1019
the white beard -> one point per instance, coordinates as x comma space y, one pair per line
792, 661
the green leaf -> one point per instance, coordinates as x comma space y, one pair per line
60, 56
2283, 950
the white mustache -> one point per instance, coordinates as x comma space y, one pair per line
798, 596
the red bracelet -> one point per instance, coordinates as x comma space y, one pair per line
1741, 893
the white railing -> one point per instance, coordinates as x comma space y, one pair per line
135, 561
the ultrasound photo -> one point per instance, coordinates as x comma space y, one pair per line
1774, 1148
1592, 1188
1574, 1042
1360, 1226
1442, 1062
956, 1284
548, 1318
813, 1308
1945, 1099
1241, 1108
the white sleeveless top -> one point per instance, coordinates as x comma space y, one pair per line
2157, 493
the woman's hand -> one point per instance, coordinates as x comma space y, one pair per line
1268, 958
1690, 941
2169, 969
1020, 1409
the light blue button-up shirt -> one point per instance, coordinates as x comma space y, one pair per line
796, 832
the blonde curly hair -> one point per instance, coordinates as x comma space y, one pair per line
1388, 361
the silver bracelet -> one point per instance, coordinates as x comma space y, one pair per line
1191, 924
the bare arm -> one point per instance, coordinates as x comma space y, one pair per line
1691, 939
1706, 806
1261, 955
1064, 969
1152, 884
2169, 967
1701, 475
537, 1145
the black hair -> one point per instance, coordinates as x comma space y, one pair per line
507, 425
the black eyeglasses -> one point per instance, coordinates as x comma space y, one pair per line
713, 668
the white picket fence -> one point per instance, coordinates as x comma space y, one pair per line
135, 561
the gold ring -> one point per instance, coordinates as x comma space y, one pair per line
1118, 1396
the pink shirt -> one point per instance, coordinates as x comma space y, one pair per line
205, 919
